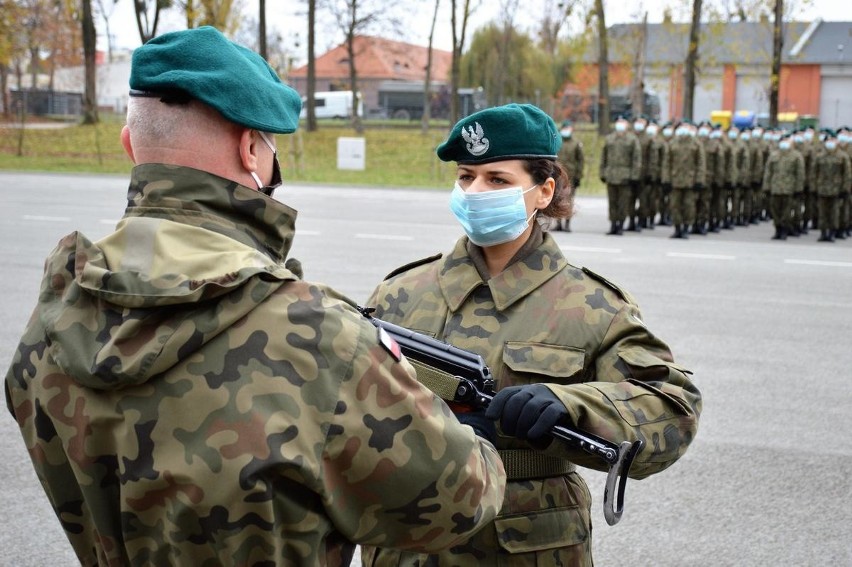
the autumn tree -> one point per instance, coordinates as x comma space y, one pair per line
312, 67
427, 83
460, 11
603, 70
148, 16
691, 61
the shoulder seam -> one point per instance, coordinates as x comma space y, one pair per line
404, 268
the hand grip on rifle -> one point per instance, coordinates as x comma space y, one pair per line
461, 376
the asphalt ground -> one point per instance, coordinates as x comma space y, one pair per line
766, 327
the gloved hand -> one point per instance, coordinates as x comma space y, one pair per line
603, 179
482, 425
698, 187
667, 188
527, 412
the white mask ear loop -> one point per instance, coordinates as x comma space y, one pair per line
273, 150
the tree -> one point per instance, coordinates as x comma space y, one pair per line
312, 67
11, 47
691, 62
459, 25
105, 9
427, 83
262, 29
775, 77
90, 39
603, 71
355, 18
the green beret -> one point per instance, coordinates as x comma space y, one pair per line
512, 131
203, 64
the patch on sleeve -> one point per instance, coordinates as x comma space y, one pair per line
621, 293
390, 345
414, 264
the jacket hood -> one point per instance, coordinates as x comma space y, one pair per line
132, 305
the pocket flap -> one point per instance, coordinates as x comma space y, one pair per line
551, 360
537, 531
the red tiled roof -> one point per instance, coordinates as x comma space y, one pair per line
378, 58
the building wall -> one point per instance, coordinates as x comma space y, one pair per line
835, 105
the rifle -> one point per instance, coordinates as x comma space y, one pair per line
461, 376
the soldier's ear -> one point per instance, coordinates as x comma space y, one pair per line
545, 194
125, 142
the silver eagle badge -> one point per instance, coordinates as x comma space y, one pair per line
477, 143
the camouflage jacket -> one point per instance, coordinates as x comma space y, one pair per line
545, 320
657, 149
785, 173
186, 400
714, 157
831, 173
621, 159
685, 164
572, 158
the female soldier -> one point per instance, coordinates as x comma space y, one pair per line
563, 343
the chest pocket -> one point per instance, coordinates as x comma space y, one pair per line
528, 362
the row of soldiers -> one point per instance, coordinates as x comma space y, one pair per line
702, 178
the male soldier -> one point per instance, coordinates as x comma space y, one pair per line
663, 204
684, 172
649, 204
620, 168
638, 190
831, 178
186, 399
785, 176
797, 204
751, 214
711, 211
811, 147
572, 158
731, 176
845, 204
742, 190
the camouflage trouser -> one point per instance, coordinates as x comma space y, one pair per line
797, 206
648, 199
619, 201
809, 211
702, 206
748, 194
717, 204
682, 202
780, 207
829, 212
736, 202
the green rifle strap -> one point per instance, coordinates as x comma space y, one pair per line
442, 384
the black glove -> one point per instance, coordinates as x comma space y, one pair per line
575, 183
698, 187
728, 187
634, 185
482, 426
798, 195
667, 188
603, 179
527, 412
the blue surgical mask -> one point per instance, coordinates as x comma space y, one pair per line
491, 217
830, 145
621, 126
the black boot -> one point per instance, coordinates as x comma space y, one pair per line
840, 234
824, 236
619, 227
804, 227
784, 232
650, 222
567, 227
777, 235
613, 228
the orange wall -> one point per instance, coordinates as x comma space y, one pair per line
586, 77
799, 89
729, 88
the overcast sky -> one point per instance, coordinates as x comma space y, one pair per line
287, 17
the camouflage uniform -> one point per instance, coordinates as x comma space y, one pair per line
685, 171
741, 167
187, 400
544, 320
714, 152
620, 169
785, 177
831, 177
650, 205
572, 158
751, 201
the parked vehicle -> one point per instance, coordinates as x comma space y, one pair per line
403, 100
332, 104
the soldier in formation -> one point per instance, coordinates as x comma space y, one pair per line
831, 179
573, 160
684, 175
620, 169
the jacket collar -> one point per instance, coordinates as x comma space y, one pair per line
458, 276
190, 196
